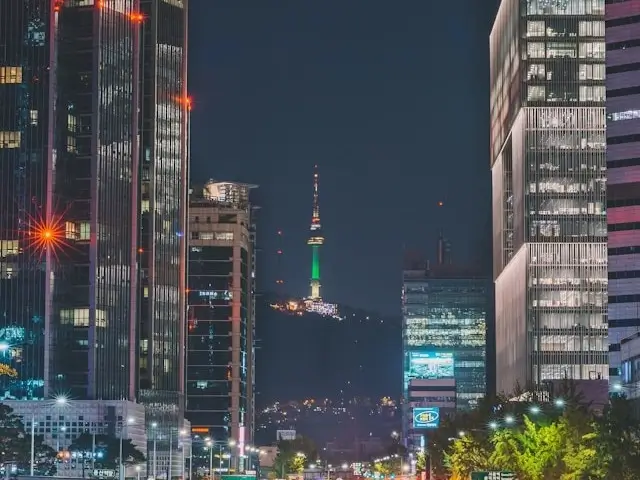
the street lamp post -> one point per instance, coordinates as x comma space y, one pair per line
58, 401
154, 425
120, 462
210, 447
181, 435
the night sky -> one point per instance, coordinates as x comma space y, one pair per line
389, 97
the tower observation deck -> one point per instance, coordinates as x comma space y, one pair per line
316, 240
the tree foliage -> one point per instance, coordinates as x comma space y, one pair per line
294, 455
107, 448
567, 443
15, 445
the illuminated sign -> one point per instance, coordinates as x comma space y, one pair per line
426, 417
430, 365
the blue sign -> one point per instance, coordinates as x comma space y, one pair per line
426, 417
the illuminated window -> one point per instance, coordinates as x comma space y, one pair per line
592, 71
70, 231
145, 291
71, 145
84, 231
10, 74
224, 235
79, 317
535, 29
592, 50
8, 247
144, 206
9, 139
594, 93
206, 235
72, 123
33, 116
626, 115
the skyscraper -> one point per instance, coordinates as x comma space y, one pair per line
221, 314
445, 309
548, 163
316, 240
623, 177
26, 136
163, 202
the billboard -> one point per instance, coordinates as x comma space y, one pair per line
430, 365
426, 417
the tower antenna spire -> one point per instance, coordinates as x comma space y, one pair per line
316, 240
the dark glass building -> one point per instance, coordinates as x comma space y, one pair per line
163, 196
25, 137
221, 318
93, 348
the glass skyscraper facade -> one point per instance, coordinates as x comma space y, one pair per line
163, 201
26, 134
444, 328
221, 313
548, 162
95, 272
623, 184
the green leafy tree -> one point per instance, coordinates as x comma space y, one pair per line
618, 444
466, 455
293, 455
534, 452
107, 449
15, 445
421, 462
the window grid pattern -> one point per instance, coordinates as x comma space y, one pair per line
94, 186
549, 181
24, 161
449, 315
163, 193
623, 131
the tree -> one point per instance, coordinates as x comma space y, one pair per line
466, 455
421, 462
293, 455
15, 445
107, 449
534, 452
618, 444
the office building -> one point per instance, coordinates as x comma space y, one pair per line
623, 178
445, 309
548, 164
221, 314
26, 135
163, 206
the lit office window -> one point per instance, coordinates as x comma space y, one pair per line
9, 139
10, 74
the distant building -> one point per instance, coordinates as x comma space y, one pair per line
445, 311
221, 313
623, 182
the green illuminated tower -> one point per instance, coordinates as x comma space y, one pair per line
315, 240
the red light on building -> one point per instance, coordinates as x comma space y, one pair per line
57, 5
136, 17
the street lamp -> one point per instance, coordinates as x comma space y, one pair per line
509, 419
120, 463
154, 425
210, 446
61, 401
181, 434
534, 409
